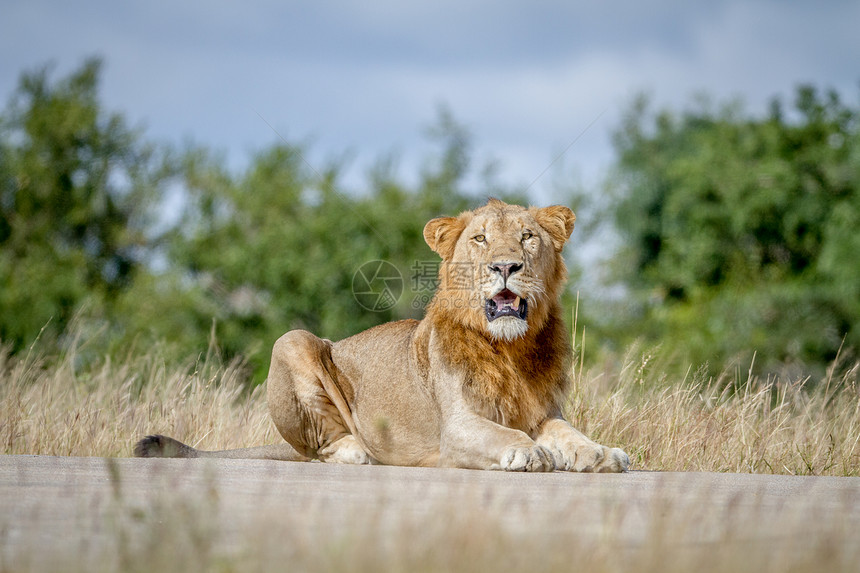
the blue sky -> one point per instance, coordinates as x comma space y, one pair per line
365, 78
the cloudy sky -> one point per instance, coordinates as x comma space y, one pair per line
365, 78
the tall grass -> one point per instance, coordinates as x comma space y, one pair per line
54, 405
731, 423
51, 405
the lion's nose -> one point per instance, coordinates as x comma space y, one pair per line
505, 269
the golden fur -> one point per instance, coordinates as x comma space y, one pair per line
478, 383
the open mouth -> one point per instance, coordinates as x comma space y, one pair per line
506, 303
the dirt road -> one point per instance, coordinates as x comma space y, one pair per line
53, 507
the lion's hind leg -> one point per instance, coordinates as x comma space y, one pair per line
306, 404
345, 450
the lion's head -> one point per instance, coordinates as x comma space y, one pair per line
502, 268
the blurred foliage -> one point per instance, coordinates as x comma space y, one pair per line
77, 192
148, 245
277, 247
739, 234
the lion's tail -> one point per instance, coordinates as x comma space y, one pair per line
158, 446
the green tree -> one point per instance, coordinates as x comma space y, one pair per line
739, 233
84, 242
77, 188
277, 247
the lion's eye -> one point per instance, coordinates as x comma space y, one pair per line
527, 235
479, 238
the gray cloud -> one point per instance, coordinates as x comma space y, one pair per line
526, 78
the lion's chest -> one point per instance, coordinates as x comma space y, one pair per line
510, 397
517, 384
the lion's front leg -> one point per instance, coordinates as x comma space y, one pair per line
470, 441
572, 451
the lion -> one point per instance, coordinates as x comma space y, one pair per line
478, 383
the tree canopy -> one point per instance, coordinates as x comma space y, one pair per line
77, 191
86, 231
739, 233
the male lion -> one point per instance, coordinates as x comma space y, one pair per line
478, 383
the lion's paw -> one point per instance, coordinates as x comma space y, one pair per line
346, 450
615, 461
527, 459
578, 458
589, 457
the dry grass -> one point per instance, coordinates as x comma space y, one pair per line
51, 406
734, 423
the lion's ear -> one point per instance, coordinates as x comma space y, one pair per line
558, 222
442, 233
